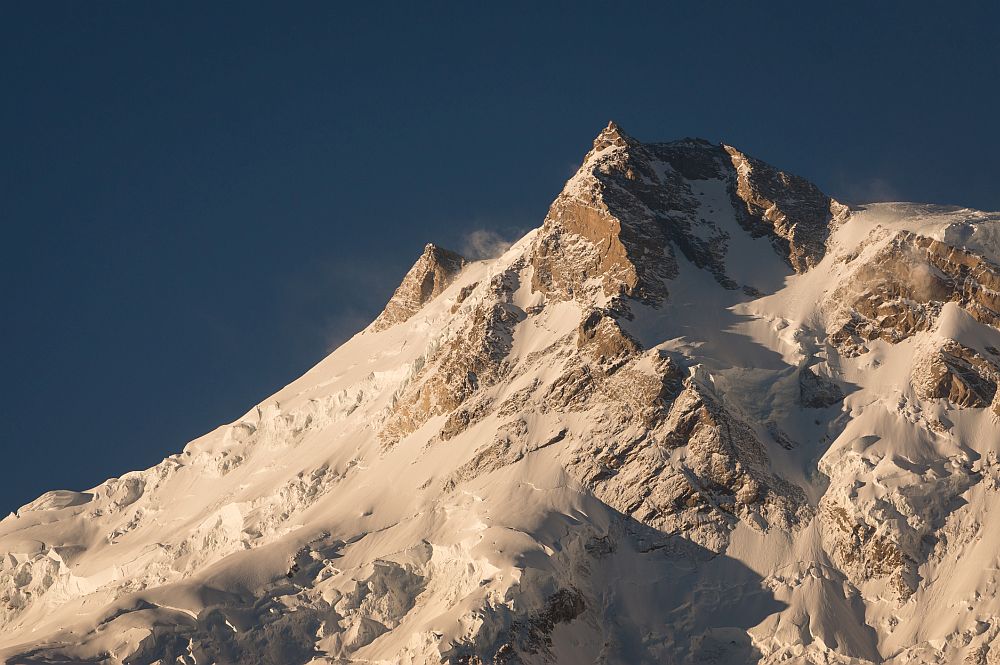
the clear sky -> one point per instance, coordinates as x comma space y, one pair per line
198, 200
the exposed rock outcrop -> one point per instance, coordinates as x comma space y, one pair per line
475, 358
430, 275
792, 211
901, 289
622, 219
958, 374
817, 392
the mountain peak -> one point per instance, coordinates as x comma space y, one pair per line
612, 135
437, 253
555, 440
429, 276
644, 206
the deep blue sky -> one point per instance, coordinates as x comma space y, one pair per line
199, 199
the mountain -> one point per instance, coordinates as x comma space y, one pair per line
704, 414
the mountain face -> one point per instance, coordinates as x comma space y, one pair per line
703, 414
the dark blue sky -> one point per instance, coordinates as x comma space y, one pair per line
199, 199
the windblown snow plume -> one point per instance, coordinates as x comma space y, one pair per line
482, 244
703, 414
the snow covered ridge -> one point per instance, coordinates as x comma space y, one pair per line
704, 413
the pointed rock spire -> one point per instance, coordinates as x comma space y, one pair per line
612, 135
430, 275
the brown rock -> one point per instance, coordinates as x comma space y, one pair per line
430, 275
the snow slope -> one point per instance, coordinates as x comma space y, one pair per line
704, 413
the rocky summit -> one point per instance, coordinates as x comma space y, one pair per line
704, 413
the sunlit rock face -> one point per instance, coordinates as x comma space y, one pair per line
428, 278
632, 208
703, 413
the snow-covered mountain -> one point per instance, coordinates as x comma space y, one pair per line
704, 413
